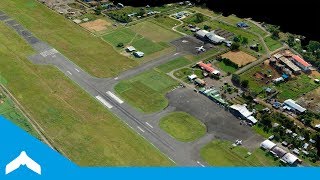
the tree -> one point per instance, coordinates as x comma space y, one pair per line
245, 40
313, 46
199, 18
236, 38
235, 79
206, 27
120, 45
291, 40
275, 30
266, 121
245, 83
235, 46
98, 10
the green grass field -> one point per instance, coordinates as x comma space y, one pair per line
185, 72
147, 90
272, 44
205, 11
166, 22
225, 67
89, 52
232, 19
296, 87
129, 37
182, 126
174, 64
72, 119
154, 32
219, 153
12, 113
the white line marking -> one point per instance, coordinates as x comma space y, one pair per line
149, 125
114, 97
172, 160
104, 102
116, 78
176, 54
140, 128
201, 164
77, 69
69, 72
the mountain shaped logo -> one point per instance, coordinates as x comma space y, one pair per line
23, 159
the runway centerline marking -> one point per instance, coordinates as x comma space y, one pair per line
149, 125
104, 102
114, 97
77, 69
140, 128
69, 72
201, 164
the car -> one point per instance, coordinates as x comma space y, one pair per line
271, 137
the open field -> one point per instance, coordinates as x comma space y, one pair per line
72, 119
129, 37
96, 25
182, 126
205, 11
166, 21
154, 32
89, 52
272, 44
232, 19
296, 87
147, 90
311, 100
219, 153
239, 57
185, 72
174, 64
221, 65
12, 113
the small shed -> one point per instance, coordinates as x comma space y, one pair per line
130, 49
138, 54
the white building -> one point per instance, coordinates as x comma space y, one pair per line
267, 145
290, 159
293, 105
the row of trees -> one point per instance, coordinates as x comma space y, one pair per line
237, 81
228, 62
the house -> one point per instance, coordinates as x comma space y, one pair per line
199, 82
290, 159
242, 25
278, 80
208, 68
192, 77
214, 95
130, 49
295, 69
138, 54
213, 38
297, 60
267, 145
293, 105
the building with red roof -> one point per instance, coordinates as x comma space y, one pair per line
300, 62
208, 68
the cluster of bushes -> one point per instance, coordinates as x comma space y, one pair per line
237, 81
121, 17
228, 62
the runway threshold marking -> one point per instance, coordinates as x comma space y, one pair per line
140, 128
69, 72
77, 69
201, 164
104, 102
114, 97
149, 125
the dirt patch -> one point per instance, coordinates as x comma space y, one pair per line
96, 25
315, 74
239, 57
311, 100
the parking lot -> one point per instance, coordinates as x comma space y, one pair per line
188, 44
219, 121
